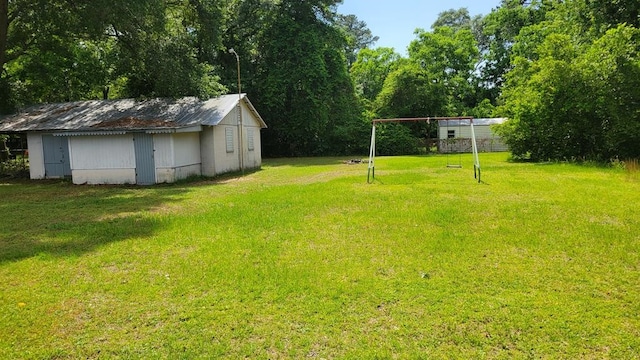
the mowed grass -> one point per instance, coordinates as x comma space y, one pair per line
304, 259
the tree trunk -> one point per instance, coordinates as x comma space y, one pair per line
4, 31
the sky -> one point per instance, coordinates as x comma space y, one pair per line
395, 20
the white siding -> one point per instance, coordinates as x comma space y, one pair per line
184, 172
207, 151
104, 176
102, 152
102, 159
230, 161
224, 162
485, 138
163, 151
252, 158
187, 149
465, 131
177, 156
36, 156
231, 118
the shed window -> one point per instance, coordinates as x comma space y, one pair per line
451, 134
250, 143
228, 132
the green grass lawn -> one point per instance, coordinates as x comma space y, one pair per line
304, 259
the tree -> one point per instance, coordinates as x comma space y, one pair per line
410, 92
167, 50
574, 100
371, 69
302, 83
499, 30
607, 14
449, 56
357, 34
58, 50
457, 19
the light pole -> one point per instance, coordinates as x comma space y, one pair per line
240, 129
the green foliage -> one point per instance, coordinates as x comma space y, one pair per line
409, 91
395, 139
371, 69
603, 15
565, 72
457, 19
449, 57
484, 110
303, 86
4, 150
14, 168
357, 34
57, 51
574, 101
497, 33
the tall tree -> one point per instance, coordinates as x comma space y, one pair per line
5, 20
56, 50
358, 36
457, 19
302, 87
499, 30
371, 70
449, 56
573, 91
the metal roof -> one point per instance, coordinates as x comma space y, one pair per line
476, 122
125, 114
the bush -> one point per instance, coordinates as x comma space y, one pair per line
396, 139
14, 168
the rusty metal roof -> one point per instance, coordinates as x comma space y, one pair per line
125, 114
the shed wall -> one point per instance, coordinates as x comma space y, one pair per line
485, 139
102, 152
102, 159
225, 161
177, 156
163, 151
207, 151
104, 176
187, 149
252, 158
36, 156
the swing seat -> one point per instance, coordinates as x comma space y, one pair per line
454, 166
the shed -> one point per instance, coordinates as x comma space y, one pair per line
143, 142
454, 136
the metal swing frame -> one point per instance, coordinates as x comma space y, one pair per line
371, 169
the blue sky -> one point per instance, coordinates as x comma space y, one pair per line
395, 20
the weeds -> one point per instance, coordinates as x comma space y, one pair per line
14, 168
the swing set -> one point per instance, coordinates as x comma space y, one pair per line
452, 141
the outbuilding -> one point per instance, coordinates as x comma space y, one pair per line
141, 142
454, 136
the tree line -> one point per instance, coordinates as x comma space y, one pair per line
564, 72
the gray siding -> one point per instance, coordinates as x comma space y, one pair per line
145, 164
56, 156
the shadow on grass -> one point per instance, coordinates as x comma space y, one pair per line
59, 219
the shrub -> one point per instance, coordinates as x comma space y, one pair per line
396, 139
